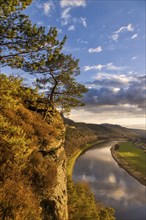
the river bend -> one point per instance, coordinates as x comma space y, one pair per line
111, 184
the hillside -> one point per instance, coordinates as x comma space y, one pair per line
87, 133
32, 156
106, 130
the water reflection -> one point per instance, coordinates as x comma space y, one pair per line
111, 184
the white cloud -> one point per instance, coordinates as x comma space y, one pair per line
65, 16
116, 90
134, 36
83, 21
48, 6
115, 37
102, 114
129, 27
95, 50
40, 23
122, 78
71, 28
116, 34
133, 58
114, 93
59, 30
72, 3
82, 41
108, 66
97, 67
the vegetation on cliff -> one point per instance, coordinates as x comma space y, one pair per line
82, 205
28, 157
26, 175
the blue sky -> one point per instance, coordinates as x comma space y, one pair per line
109, 39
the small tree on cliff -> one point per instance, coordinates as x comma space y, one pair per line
58, 79
25, 46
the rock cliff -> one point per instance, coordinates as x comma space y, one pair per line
53, 199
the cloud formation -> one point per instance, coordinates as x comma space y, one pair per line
71, 28
48, 6
133, 58
134, 36
65, 16
109, 66
106, 89
72, 3
116, 34
83, 21
95, 50
59, 30
82, 41
67, 19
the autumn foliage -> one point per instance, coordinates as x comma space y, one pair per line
24, 174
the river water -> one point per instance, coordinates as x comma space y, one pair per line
111, 184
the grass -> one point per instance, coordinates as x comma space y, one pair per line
72, 159
134, 156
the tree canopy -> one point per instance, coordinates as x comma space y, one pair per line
9, 6
21, 41
36, 51
58, 79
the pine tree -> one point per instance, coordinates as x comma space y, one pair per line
20, 41
58, 79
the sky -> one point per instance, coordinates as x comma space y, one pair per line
109, 39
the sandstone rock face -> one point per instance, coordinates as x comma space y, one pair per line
53, 200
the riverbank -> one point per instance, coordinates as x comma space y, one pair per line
72, 159
127, 166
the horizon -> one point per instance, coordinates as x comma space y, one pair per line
132, 126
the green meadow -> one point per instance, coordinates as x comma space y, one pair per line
134, 156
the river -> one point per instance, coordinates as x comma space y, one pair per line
111, 184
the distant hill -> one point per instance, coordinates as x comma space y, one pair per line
106, 131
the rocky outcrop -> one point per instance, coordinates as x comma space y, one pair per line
49, 169
54, 199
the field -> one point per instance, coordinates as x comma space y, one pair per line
134, 156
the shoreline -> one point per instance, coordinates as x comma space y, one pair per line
72, 159
123, 164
